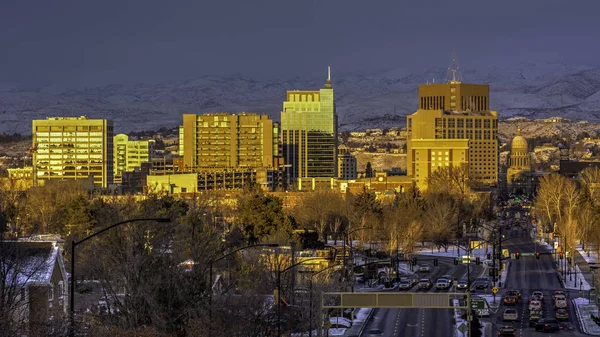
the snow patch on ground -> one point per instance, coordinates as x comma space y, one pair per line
584, 314
574, 281
593, 255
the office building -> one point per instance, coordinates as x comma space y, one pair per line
453, 127
73, 148
130, 154
347, 169
222, 140
309, 133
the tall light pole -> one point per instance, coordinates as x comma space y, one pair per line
347, 235
210, 281
311, 296
75, 244
277, 300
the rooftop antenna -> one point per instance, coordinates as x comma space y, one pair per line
454, 75
328, 82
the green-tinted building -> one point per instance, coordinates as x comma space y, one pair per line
309, 133
129, 154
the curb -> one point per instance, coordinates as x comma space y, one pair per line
579, 318
362, 328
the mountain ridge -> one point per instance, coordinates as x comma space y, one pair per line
380, 99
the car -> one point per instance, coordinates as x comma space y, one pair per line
425, 283
515, 293
374, 333
507, 330
462, 284
482, 283
424, 268
538, 294
510, 300
560, 303
510, 315
447, 277
562, 315
534, 298
558, 293
404, 285
534, 317
535, 305
442, 283
547, 325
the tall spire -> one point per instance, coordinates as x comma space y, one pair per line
454, 75
328, 82
518, 130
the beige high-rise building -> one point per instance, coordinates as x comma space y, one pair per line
73, 148
222, 140
453, 127
130, 154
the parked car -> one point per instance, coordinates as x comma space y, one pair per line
424, 268
510, 315
507, 330
442, 284
562, 315
425, 283
462, 285
547, 325
535, 305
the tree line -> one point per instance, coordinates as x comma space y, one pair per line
155, 277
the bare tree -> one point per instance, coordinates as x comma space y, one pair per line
440, 217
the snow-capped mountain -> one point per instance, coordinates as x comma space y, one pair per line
380, 99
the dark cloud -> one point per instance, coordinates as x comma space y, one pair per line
99, 42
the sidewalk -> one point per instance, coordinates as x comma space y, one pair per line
584, 308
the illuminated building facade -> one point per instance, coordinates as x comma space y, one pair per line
73, 148
309, 133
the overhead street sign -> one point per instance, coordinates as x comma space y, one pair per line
477, 303
494, 290
527, 254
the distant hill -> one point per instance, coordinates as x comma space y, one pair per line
378, 100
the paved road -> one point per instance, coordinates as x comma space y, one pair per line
422, 322
529, 274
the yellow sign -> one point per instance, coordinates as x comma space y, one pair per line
494, 290
505, 253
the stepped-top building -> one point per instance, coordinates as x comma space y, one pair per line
453, 128
309, 133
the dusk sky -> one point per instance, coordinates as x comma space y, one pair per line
101, 42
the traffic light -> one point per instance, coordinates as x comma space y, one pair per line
435, 262
517, 255
477, 260
414, 261
455, 261
493, 272
489, 256
560, 255
537, 255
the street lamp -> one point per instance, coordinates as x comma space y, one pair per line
76, 243
347, 235
279, 272
211, 276
311, 296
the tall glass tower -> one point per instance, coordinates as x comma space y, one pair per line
309, 132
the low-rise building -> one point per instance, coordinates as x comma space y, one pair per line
36, 282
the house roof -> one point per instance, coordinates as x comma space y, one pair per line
28, 263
